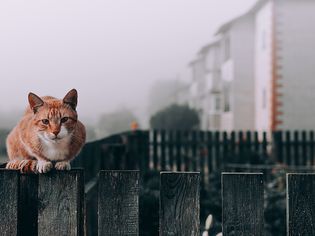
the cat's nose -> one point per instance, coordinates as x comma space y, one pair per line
56, 132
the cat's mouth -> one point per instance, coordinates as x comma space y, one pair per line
56, 139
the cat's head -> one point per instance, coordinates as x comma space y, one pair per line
54, 119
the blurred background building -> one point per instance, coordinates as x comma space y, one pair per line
257, 72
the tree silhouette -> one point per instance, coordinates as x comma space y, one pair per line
175, 117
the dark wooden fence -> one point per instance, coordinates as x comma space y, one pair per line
54, 203
192, 151
203, 151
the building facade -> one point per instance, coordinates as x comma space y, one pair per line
285, 64
237, 73
257, 74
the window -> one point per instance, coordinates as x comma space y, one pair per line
215, 103
264, 98
227, 97
227, 49
263, 40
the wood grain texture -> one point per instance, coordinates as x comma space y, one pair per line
242, 204
61, 203
28, 202
118, 203
91, 192
300, 204
9, 189
179, 203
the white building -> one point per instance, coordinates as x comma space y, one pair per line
237, 73
285, 64
213, 86
258, 72
206, 85
223, 78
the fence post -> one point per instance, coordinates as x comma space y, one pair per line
28, 204
163, 151
300, 204
311, 145
179, 163
288, 147
242, 204
118, 203
171, 135
9, 189
179, 203
61, 203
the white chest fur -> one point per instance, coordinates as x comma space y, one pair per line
56, 151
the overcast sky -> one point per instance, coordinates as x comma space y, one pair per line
110, 51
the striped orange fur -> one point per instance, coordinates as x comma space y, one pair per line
49, 132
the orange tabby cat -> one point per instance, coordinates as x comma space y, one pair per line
48, 133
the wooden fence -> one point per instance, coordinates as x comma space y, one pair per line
200, 151
204, 151
54, 203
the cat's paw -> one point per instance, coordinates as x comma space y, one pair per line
44, 166
63, 165
13, 165
25, 166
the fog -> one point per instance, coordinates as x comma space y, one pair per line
110, 51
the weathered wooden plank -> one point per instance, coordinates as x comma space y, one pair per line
9, 189
118, 202
210, 151
194, 156
278, 146
311, 144
28, 204
242, 204
145, 151
163, 150
186, 142
248, 145
91, 192
288, 147
225, 144
296, 148
300, 204
155, 149
179, 165
61, 203
265, 143
241, 144
179, 203
233, 147
304, 157
202, 157
217, 150
171, 135
256, 143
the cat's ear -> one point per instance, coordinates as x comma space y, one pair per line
71, 99
35, 102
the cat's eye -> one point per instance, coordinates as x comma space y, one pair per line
45, 121
64, 119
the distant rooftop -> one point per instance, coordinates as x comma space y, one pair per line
252, 10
